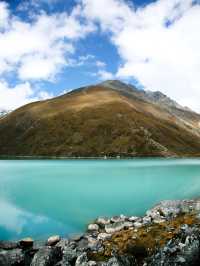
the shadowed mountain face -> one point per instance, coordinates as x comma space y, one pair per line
111, 118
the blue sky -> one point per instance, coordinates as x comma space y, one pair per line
97, 45
48, 47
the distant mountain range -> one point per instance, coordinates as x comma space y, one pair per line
3, 112
108, 119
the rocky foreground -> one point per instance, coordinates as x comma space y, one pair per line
169, 234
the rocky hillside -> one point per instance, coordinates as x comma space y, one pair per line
168, 235
109, 119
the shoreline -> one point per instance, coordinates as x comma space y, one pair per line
5, 157
169, 234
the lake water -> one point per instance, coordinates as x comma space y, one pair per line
39, 198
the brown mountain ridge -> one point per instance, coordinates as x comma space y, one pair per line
108, 119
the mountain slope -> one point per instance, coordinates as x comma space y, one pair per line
107, 119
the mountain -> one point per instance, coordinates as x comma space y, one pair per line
3, 112
108, 119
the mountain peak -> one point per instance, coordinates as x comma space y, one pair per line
156, 97
118, 85
162, 99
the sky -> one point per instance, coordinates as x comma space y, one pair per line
49, 47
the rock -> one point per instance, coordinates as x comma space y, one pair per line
154, 214
93, 227
102, 221
62, 244
26, 242
94, 244
159, 221
82, 245
118, 226
82, 260
121, 261
13, 257
63, 263
76, 237
146, 220
133, 218
8, 245
39, 244
171, 208
47, 256
181, 260
137, 224
104, 236
92, 263
187, 254
53, 240
128, 225
121, 218
112, 228
70, 254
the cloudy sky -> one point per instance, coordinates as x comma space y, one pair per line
51, 46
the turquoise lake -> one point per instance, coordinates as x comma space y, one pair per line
39, 198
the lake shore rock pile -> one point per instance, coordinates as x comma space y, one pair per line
169, 234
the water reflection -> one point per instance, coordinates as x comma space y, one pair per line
20, 223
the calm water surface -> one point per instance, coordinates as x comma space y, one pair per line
39, 198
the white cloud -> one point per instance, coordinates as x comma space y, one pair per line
37, 67
161, 58
100, 64
104, 75
13, 97
4, 15
81, 60
36, 49
41, 48
15, 219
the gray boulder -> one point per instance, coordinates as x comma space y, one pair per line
82, 260
53, 240
121, 261
118, 226
70, 255
26, 242
8, 245
171, 208
47, 256
13, 257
